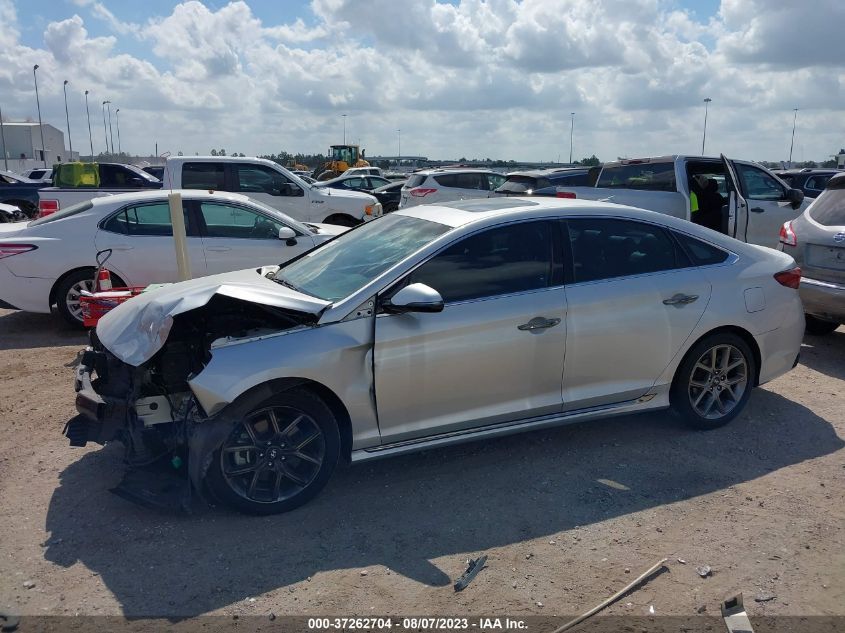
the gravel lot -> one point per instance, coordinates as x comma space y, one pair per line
565, 516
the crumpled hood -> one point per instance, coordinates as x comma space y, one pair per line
134, 331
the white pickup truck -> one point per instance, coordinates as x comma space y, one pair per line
270, 183
736, 197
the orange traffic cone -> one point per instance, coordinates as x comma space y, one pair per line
103, 280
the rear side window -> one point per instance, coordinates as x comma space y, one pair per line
608, 248
204, 176
523, 184
646, 176
817, 182
701, 253
829, 208
463, 181
572, 180
415, 181
147, 220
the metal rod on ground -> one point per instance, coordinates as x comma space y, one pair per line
180, 241
646, 574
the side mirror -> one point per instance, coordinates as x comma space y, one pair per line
414, 298
795, 196
288, 234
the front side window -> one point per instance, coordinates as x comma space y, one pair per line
495, 181
211, 176
146, 220
353, 259
608, 248
759, 185
645, 176
261, 179
817, 182
500, 261
223, 220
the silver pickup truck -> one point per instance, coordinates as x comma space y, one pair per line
736, 197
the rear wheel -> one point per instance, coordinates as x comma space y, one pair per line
278, 456
714, 381
69, 290
819, 327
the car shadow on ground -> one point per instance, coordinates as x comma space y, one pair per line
29, 330
825, 354
403, 512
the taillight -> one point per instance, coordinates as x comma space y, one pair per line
790, 278
421, 192
7, 250
787, 235
565, 194
47, 207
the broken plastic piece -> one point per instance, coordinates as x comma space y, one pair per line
473, 568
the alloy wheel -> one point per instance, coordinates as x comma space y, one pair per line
718, 381
72, 299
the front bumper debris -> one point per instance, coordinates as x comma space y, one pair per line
100, 416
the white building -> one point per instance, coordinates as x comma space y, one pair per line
21, 147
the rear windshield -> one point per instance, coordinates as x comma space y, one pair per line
829, 208
646, 176
64, 213
523, 184
415, 181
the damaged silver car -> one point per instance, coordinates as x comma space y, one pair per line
430, 326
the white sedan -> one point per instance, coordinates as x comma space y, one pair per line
50, 261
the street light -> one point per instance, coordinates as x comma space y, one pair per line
105, 130
792, 143
117, 122
88, 116
111, 132
40, 125
67, 117
704, 136
3, 140
344, 128
571, 131
399, 132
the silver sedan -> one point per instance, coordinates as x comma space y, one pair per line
431, 326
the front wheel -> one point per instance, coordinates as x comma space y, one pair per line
277, 457
714, 381
818, 327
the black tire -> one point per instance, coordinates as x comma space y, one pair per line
819, 327
342, 219
256, 469
66, 291
705, 395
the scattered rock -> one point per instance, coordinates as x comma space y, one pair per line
659, 529
28, 584
539, 604
364, 572
627, 570
701, 609
272, 616
764, 596
682, 561
527, 556
704, 571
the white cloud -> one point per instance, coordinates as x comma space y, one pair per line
491, 78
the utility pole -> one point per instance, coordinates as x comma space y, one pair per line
399, 132
792, 143
111, 132
67, 118
3, 139
344, 128
704, 136
88, 116
40, 125
117, 122
105, 130
571, 131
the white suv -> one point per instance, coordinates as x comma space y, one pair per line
440, 185
363, 171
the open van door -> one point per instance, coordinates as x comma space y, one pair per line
737, 206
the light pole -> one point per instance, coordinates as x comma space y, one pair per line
399, 133
704, 135
3, 140
67, 118
40, 125
111, 132
88, 116
117, 122
571, 132
105, 130
792, 143
344, 128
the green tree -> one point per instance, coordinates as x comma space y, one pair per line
214, 152
592, 161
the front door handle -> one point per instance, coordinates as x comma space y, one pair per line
757, 210
121, 247
538, 323
680, 300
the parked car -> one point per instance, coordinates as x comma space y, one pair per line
436, 325
816, 239
432, 186
11, 213
272, 184
39, 174
364, 171
51, 260
811, 181
543, 182
157, 171
735, 197
355, 183
114, 178
20, 192
389, 195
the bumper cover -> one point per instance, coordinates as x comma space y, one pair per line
823, 298
100, 416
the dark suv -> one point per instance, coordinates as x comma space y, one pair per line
543, 182
811, 181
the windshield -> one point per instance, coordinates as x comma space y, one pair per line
352, 260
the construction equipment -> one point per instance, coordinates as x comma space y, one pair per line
342, 157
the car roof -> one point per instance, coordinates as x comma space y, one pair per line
548, 173
456, 170
161, 194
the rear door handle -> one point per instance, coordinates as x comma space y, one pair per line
757, 210
121, 247
218, 249
680, 299
538, 323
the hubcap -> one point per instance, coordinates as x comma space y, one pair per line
718, 381
72, 299
273, 454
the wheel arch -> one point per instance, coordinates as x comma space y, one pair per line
742, 333
53, 299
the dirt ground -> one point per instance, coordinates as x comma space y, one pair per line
566, 516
